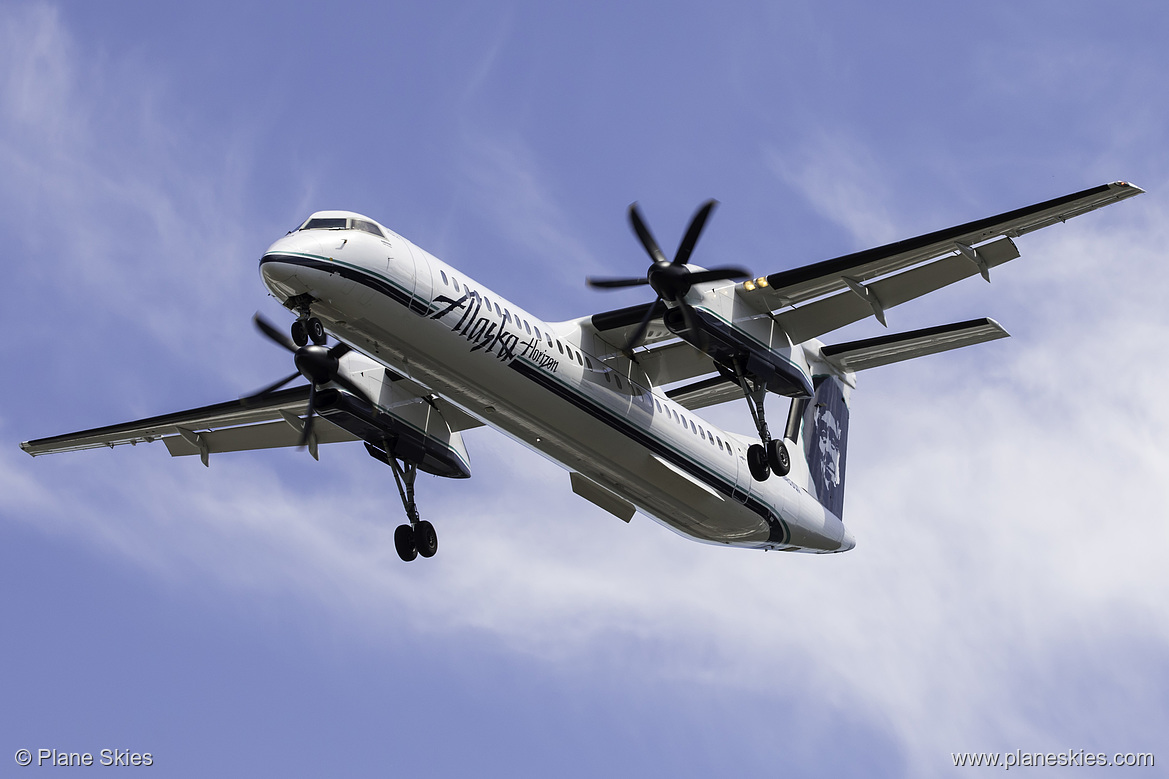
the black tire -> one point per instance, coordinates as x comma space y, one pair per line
778, 458
757, 462
299, 333
404, 543
316, 331
425, 539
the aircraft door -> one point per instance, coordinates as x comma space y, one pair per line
399, 266
423, 283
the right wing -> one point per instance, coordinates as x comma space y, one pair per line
223, 427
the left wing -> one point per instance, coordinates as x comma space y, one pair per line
815, 299
810, 281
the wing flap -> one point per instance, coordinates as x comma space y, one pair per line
885, 350
831, 313
266, 435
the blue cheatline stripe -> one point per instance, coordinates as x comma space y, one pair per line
779, 531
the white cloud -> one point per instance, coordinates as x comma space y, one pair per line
843, 182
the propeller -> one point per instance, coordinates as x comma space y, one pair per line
670, 280
316, 363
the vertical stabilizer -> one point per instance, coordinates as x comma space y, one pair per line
825, 439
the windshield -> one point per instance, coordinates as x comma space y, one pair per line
331, 223
342, 223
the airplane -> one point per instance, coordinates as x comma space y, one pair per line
423, 352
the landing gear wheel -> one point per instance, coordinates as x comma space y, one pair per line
425, 539
404, 542
777, 457
316, 331
299, 333
757, 462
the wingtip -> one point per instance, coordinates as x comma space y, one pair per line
1128, 187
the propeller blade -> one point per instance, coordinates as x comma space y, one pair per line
307, 432
348, 384
717, 274
268, 329
639, 333
693, 231
269, 389
615, 283
643, 233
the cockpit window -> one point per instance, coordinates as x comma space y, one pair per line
342, 223
326, 223
369, 227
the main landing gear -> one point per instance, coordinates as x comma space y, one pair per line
771, 454
418, 537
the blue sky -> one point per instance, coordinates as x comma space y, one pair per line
1008, 589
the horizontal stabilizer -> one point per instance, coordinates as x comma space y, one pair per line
884, 350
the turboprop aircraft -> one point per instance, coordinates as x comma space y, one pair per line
424, 352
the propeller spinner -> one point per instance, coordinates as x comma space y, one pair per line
316, 363
671, 280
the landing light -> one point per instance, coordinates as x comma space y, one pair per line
748, 285
761, 281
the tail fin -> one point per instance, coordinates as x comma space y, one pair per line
825, 441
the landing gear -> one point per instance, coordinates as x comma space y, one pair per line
778, 458
769, 456
299, 333
404, 542
418, 537
316, 331
757, 462
304, 330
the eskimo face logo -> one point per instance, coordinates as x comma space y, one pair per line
828, 444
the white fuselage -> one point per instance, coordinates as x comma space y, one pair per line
556, 387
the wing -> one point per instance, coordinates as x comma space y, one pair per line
919, 265
233, 426
815, 299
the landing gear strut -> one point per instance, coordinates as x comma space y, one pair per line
770, 455
418, 537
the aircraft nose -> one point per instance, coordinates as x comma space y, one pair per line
281, 263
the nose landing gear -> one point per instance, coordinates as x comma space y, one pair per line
308, 328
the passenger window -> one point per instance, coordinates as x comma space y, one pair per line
443, 274
538, 334
455, 283
526, 327
560, 347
